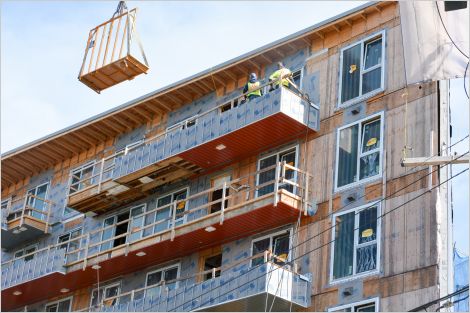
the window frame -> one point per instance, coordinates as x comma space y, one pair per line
162, 269
57, 302
375, 301
184, 219
118, 284
301, 70
277, 153
270, 236
363, 42
80, 168
357, 245
79, 228
361, 122
35, 245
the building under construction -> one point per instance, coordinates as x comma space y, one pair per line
193, 198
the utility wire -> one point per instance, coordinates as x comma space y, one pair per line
445, 28
329, 242
427, 305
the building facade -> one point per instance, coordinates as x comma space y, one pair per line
190, 198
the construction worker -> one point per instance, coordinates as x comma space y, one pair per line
282, 72
252, 88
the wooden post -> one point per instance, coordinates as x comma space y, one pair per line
85, 258
48, 216
276, 183
100, 178
173, 219
23, 210
306, 195
222, 207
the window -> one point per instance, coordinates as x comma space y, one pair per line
156, 278
279, 243
290, 157
82, 177
217, 194
210, 263
63, 305
36, 201
133, 218
356, 235
166, 211
105, 295
359, 151
362, 69
25, 251
190, 122
371, 305
228, 106
5, 204
69, 244
297, 78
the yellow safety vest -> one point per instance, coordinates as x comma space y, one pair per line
281, 72
253, 89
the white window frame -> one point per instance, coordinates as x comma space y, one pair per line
362, 97
162, 269
184, 219
374, 301
184, 123
361, 122
80, 228
79, 168
278, 153
36, 246
301, 70
47, 184
118, 284
356, 245
270, 236
58, 301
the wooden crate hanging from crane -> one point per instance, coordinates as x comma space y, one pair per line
108, 60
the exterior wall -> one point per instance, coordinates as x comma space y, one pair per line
410, 256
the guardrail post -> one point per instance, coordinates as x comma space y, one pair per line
266, 252
23, 210
173, 222
85, 258
213, 272
306, 195
222, 207
100, 178
276, 183
49, 205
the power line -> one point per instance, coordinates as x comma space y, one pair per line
445, 28
329, 242
427, 305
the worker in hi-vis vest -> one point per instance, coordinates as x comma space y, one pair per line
283, 72
252, 88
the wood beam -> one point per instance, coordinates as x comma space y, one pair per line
256, 65
195, 88
348, 22
60, 152
20, 168
84, 137
93, 133
363, 16
376, 7
338, 30
146, 116
117, 128
319, 34
230, 75
151, 107
74, 143
292, 46
219, 80
308, 43
210, 87
277, 51
163, 105
72, 150
47, 156
28, 164
202, 86
266, 58
174, 99
109, 133
435, 160
122, 122
184, 95
133, 118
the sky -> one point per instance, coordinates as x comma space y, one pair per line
43, 42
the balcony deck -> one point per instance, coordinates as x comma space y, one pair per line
246, 214
22, 222
209, 141
243, 291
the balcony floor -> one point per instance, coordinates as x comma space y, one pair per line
190, 237
32, 228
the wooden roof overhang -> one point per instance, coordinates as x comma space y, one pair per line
44, 153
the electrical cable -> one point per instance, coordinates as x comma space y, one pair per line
427, 305
327, 243
445, 28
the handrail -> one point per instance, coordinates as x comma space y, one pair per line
268, 255
172, 128
25, 207
85, 245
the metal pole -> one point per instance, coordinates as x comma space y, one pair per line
222, 208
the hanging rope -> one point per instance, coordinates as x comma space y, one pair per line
120, 8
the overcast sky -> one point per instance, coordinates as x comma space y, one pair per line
42, 46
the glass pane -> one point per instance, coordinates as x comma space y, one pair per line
373, 53
28, 251
64, 238
369, 165
343, 310
161, 215
368, 225
136, 223
266, 176
281, 248
64, 306
19, 254
154, 278
164, 201
289, 158
109, 293
180, 206
365, 308
347, 157
371, 80
366, 258
351, 73
170, 275
343, 246
94, 297
371, 136
258, 247
107, 233
52, 308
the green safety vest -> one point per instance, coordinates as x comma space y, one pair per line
253, 89
281, 72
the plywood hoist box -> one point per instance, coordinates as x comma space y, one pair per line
108, 60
